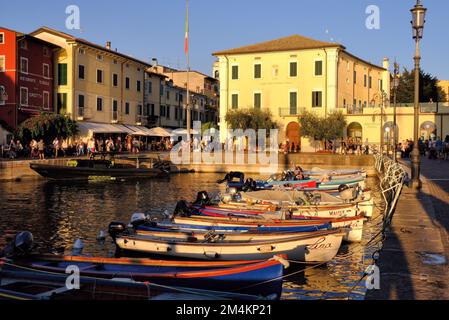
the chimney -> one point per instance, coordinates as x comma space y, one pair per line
108, 45
386, 63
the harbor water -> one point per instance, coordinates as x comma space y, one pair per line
58, 213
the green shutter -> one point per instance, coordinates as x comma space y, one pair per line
257, 100
293, 103
293, 69
318, 68
62, 74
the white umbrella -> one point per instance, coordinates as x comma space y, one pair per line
159, 132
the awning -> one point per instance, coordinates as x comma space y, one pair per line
88, 129
137, 131
159, 132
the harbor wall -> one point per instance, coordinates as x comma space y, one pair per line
20, 170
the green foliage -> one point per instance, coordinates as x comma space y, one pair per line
208, 125
428, 88
319, 128
47, 126
251, 119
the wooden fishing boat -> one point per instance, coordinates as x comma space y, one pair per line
309, 248
85, 169
217, 276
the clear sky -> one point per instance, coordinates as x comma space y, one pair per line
148, 29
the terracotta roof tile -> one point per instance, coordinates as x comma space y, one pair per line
294, 42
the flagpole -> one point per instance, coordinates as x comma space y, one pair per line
187, 51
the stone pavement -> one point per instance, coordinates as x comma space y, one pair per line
417, 242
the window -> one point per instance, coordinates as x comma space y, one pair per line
62, 103
46, 52
370, 82
235, 72
81, 51
365, 81
2, 64
381, 84
81, 72
115, 61
150, 87
24, 65
99, 76
168, 95
99, 57
115, 80
318, 68
81, 105
293, 69
168, 112
139, 110
235, 101
114, 110
127, 108
138, 85
257, 100
355, 77
46, 100
99, 104
257, 71
152, 109
23, 96
46, 70
2, 38
23, 44
127, 83
62, 74
162, 111
317, 99
293, 103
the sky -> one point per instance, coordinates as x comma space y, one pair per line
147, 29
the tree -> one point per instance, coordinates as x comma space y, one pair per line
47, 126
251, 119
322, 129
429, 89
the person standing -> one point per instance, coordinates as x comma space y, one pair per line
41, 149
56, 147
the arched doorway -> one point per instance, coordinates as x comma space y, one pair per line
355, 131
293, 134
428, 131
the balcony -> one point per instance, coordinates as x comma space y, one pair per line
290, 112
354, 110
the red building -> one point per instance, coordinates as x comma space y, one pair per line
26, 76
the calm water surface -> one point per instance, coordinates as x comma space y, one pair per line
59, 213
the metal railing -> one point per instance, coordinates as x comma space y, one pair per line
393, 177
290, 112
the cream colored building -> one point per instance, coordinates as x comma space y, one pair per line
97, 84
290, 74
444, 84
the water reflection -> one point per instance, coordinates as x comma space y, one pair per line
59, 213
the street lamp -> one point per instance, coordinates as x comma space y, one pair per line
387, 131
395, 89
418, 21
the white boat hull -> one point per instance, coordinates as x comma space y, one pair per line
309, 249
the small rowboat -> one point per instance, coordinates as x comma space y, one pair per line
217, 276
353, 227
309, 248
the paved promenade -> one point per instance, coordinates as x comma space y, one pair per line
412, 263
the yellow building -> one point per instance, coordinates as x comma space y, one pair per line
97, 84
294, 73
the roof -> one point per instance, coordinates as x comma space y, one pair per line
150, 72
294, 42
29, 36
364, 61
85, 42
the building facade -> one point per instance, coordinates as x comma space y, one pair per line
96, 83
291, 74
26, 77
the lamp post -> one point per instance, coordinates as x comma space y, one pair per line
383, 99
396, 131
388, 132
418, 21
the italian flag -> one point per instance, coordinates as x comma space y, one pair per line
186, 44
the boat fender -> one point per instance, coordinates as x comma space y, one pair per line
138, 218
101, 236
266, 249
211, 255
282, 261
78, 247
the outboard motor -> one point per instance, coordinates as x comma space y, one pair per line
347, 193
116, 228
20, 246
183, 210
202, 199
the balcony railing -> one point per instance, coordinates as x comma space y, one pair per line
289, 112
355, 109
